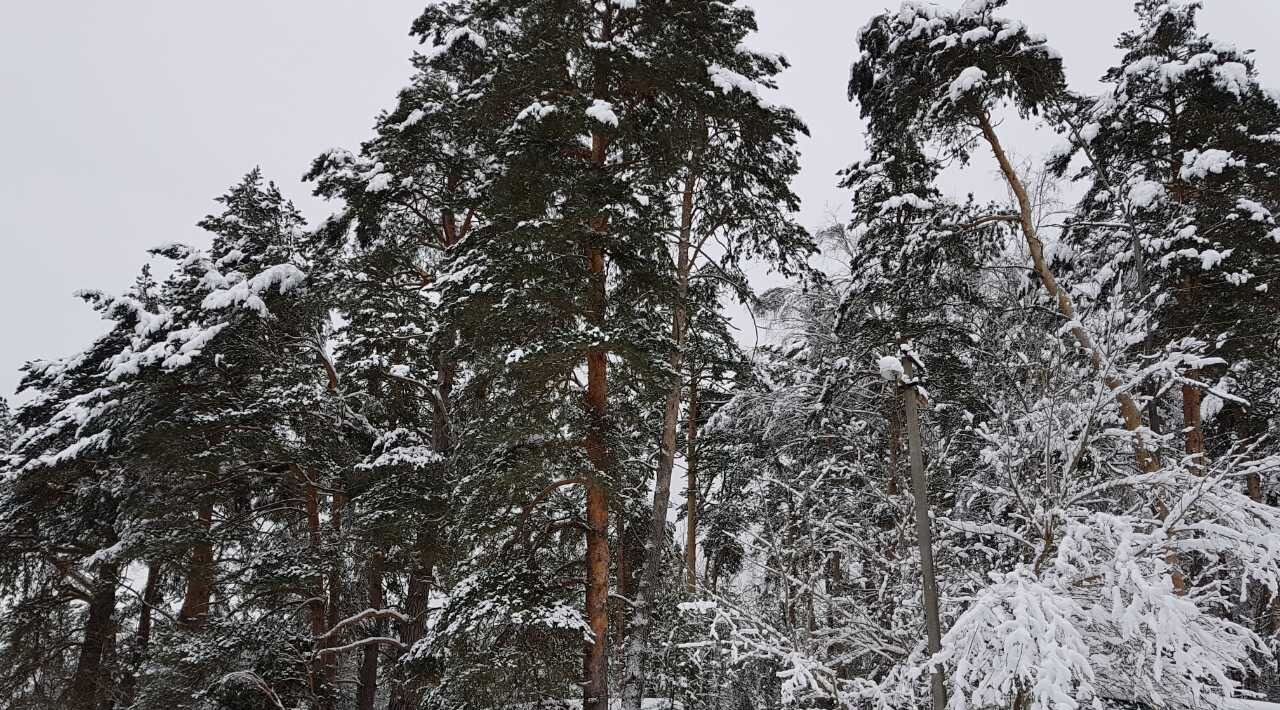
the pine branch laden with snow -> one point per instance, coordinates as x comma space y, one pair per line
429, 454
1102, 620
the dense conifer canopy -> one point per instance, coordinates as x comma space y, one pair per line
488, 437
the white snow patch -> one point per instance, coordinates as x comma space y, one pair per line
891, 368
602, 112
969, 79
1146, 194
1200, 164
414, 116
379, 182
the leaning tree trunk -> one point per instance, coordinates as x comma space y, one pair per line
1137, 251
91, 683
655, 544
1147, 461
1132, 415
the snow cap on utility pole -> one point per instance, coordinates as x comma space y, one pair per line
891, 368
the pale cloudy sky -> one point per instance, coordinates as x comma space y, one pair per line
122, 120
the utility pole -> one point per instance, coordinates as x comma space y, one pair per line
924, 533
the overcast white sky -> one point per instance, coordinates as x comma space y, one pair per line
121, 120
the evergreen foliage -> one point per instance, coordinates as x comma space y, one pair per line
487, 436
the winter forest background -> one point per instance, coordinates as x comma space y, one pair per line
558, 394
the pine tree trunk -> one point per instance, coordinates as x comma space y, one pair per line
596, 656
1191, 422
91, 683
368, 691
655, 545
1147, 462
407, 693
316, 603
334, 604
1254, 487
407, 690
194, 614
596, 659
691, 490
151, 598
924, 533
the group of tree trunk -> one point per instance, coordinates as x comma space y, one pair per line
423, 454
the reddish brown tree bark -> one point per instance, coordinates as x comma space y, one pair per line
151, 598
1192, 423
91, 684
367, 694
194, 614
596, 657
316, 603
691, 490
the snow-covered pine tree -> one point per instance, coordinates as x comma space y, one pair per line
258, 426
1180, 154
413, 194
909, 267
733, 160
186, 418
59, 509
601, 104
8, 427
942, 74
